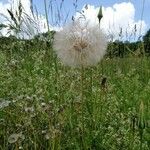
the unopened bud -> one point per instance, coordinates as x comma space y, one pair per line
100, 14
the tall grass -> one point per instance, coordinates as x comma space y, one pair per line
41, 101
45, 105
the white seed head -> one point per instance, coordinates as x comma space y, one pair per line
80, 44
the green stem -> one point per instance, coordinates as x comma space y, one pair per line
56, 80
82, 94
141, 138
82, 101
91, 84
46, 13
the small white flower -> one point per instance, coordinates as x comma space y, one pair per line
13, 138
80, 44
4, 104
44, 106
47, 137
44, 131
29, 109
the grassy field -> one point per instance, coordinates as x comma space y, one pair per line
44, 105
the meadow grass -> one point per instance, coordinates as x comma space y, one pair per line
45, 105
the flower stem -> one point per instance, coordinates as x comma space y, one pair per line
82, 93
82, 101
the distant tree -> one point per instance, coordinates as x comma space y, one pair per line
146, 39
46, 38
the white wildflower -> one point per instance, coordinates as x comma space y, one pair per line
47, 137
13, 138
4, 104
29, 109
44, 131
80, 44
44, 106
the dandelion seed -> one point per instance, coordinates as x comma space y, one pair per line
80, 44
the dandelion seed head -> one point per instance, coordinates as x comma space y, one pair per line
80, 44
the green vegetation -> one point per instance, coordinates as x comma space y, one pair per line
41, 107
47, 106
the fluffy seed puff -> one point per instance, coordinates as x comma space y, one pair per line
80, 45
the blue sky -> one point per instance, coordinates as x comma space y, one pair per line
106, 3
117, 13
68, 4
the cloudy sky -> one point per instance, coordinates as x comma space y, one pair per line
124, 16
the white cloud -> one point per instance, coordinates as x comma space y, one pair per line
116, 18
3, 8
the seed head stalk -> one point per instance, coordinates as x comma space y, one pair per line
82, 101
46, 13
100, 16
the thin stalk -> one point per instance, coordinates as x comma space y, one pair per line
82, 101
143, 4
57, 99
56, 78
92, 100
91, 88
101, 60
142, 13
46, 14
82, 95
141, 138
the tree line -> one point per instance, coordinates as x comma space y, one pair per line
115, 48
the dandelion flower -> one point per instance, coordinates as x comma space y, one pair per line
80, 44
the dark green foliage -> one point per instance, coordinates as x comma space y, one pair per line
40, 41
40, 99
146, 39
124, 49
115, 49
